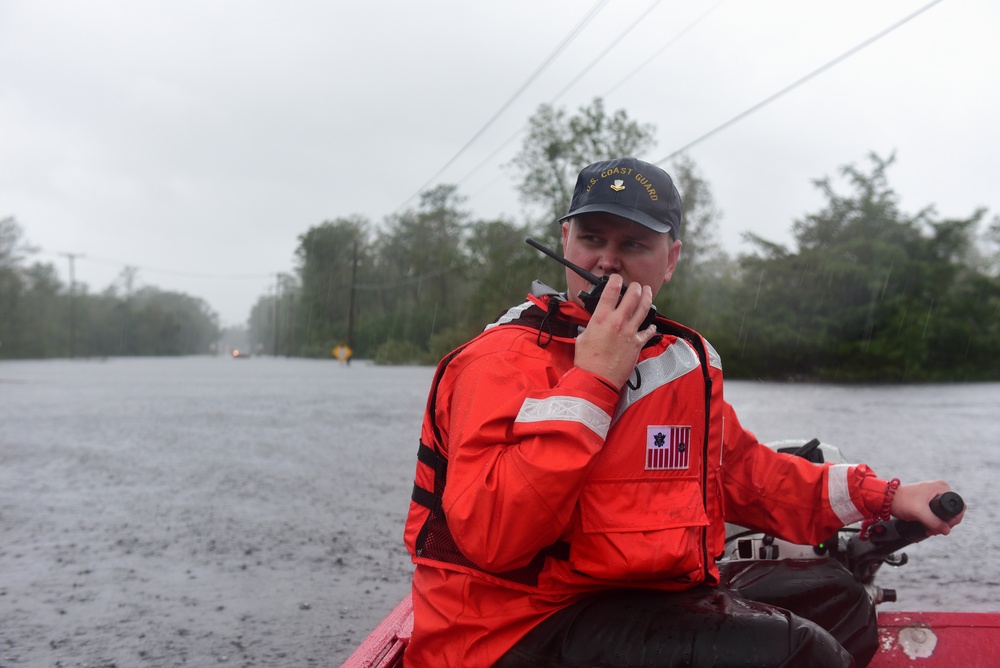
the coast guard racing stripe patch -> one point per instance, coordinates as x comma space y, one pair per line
667, 447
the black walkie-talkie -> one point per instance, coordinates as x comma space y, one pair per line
591, 297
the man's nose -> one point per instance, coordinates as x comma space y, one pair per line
609, 263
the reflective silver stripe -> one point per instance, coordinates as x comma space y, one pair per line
568, 409
677, 360
512, 314
840, 495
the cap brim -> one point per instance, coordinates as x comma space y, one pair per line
622, 212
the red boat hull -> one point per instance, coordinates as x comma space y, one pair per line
938, 639
906, 639
384, 647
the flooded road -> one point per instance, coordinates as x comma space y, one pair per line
189, 512
209, 511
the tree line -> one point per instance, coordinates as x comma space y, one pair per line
871, 293
866, 292
41, 317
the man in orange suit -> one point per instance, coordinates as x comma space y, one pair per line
578, 462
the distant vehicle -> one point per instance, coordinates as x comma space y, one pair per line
238, 355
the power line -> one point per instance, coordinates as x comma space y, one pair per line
615, 42
488, 159
733, 120
844, 56
541, 68
565, 42
157, 270
663, 48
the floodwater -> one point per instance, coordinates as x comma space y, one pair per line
212, 511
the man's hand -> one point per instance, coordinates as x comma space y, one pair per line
610, 345
912, 502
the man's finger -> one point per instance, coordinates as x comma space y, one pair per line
609, 298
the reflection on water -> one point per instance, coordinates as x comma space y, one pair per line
200, 510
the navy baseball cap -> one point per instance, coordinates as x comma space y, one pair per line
630, 188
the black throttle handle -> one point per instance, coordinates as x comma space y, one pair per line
864, 557
947, 505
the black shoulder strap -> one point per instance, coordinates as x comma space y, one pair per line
439, 464
434, 539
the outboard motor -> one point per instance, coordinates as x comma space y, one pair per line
744, 544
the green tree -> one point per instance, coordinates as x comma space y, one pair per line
558, 146
700, 291
172, 323
12, 248
329, 256
262, 324
40, 315
420, 260
991, 248
11, 286
32, 303
502, 267
870, 293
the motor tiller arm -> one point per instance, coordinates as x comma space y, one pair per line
864, 557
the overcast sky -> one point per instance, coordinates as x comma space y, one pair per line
196, 141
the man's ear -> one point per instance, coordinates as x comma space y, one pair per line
565, 234
673, 255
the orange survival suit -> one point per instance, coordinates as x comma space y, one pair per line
538, 483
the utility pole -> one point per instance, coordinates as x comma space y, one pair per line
72, 301
277, 296
350, 303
